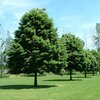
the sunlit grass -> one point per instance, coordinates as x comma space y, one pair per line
51, 87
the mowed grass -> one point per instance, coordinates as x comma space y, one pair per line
51, 87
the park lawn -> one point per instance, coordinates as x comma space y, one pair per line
51, 87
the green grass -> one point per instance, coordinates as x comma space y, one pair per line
51, 87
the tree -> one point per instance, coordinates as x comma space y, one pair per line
96, 54
59, 58
86, 62
97, 36
93, 64
2, 42
4, 46
89, 62
97, 41
35, 48
74, 47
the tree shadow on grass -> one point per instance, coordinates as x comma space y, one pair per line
82, 77
18, 87
44, 86
63, 80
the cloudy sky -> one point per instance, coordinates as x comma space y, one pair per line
76, 16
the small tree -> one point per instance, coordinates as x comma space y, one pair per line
89, 62
96, 54
74, 47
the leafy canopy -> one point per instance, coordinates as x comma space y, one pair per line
36, 46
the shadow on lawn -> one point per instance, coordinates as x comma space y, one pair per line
82, 77
17, 87
63, 80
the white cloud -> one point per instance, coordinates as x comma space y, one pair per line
16, 3
22, 3
14, 9
70, 18
70, 21
88, 26
20, 6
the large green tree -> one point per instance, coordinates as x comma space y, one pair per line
36, 47
74, 47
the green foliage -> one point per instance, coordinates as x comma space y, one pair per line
15, 58
74, 47
36, 47
60, 56
89, 60
96, 54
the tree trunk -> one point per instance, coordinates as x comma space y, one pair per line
1, 72
93, 72
70, 73
35, 79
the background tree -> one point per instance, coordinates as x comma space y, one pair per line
96, 54
74, 47
2, 46
97, 36
35, 48
59, 58
97, 42
86, 62
1, 58
93, 64
89, 62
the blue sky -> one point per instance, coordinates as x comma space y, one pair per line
76, 16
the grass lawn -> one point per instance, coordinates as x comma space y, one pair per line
51, 87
